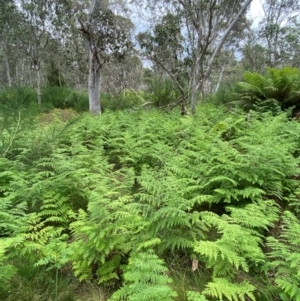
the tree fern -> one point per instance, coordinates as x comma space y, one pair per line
279, 85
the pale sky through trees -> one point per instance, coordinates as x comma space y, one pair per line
256, 11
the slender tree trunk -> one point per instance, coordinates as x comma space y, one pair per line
30, 79
94, 85
17, 74
38, 86
7, 71
200, 82
195, 85
6, 61
94, 63
94, 92
220, 79
225, 35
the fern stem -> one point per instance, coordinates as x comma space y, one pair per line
56, 284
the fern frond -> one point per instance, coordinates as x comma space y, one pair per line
232, 291
285, 257
145, 279
195, 296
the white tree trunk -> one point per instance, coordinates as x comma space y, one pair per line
94, 67
94, 90
6, 61
38, 86
200, 82
7, 70
195, 84
219, 80
94, 84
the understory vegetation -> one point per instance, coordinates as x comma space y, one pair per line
146, 204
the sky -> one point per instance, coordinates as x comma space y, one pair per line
256, 11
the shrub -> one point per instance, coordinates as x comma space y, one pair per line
65, 98
125, 100
162, 92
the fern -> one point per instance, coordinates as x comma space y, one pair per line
235, 248
279, 86
285, 258
233, 292
145, 278
7, 270
194, 296
210, 187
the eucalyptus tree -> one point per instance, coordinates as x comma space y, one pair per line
206, 26
165, 49
127, 74
209, 24
254, 55
279, 31
43, 18
274, 41
10, 21
5, 14
106, 37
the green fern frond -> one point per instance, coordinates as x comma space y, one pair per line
145, 278
260, 214
195, 296
232, 291
285, 257
216, 252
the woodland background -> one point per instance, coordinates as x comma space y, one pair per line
149, 150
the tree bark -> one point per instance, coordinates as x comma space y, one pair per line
38, 86
94, 63
9, 82
94, 85
219, 80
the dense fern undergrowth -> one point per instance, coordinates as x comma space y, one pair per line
147, 205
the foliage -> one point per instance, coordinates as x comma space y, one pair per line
145, 279
54, 76
106, 196
278, 87
7, 270
125, 100
162, 92
65, 98
285, 258
14, 99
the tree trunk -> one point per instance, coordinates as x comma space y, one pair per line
38, 86
205, 73
219, 80
195, 77
94, 84
94, 63
7, 70
6, 61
